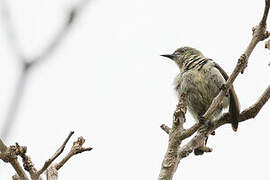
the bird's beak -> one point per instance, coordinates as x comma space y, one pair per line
170, 56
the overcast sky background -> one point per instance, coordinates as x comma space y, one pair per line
108, 83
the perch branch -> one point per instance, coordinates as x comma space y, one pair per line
259, 34
201, 135
170, 162
247, 114
174, 153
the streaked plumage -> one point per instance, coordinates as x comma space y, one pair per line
201, 79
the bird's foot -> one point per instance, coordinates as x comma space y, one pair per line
213, 133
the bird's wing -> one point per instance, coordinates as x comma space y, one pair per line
234, 107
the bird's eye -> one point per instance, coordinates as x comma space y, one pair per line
179, 52
182, 51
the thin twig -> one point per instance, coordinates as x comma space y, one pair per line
75, 149
56, 154
10, 154
165, 128
189, 132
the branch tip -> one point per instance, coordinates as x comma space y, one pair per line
56, 154
165, 128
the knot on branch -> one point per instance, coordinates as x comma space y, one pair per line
181, 107
28, 164
8, 156
260, 32
15, 177
179, 113
77, 146
242, 62
20, 149
12, 152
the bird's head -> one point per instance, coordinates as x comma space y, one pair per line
183, 54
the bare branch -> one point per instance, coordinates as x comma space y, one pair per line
56, 154
248, 113
3, 147
259, 34
165, 128
16, 177
27, 162
170, 161
189, 132
9, 154
194, 143
174, 153
75, 149
52, 173
252, 111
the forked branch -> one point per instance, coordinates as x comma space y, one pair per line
10, 155
174, 153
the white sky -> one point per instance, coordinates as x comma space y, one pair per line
108, 83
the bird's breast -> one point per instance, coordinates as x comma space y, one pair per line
201, 87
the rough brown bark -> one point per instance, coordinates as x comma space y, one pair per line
10, 155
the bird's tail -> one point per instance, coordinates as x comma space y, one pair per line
234, 108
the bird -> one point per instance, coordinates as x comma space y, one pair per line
201, 79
